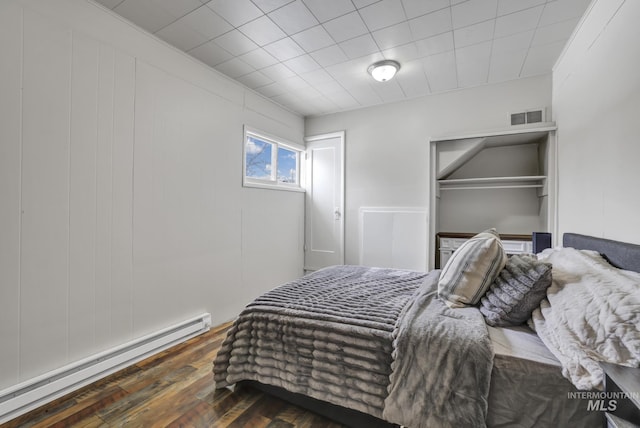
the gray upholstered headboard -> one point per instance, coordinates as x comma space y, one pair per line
620, 254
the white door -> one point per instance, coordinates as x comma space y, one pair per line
324, 206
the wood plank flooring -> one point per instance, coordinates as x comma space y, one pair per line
174, 388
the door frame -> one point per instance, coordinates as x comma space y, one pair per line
341, 196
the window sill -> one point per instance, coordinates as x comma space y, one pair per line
273, 187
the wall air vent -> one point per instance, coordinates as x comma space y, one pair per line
528, 116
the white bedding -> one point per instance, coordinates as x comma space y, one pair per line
591, 314
520, 342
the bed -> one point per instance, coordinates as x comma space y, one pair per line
390, 352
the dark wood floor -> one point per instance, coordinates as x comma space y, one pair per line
172, 389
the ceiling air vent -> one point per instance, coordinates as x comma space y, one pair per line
529, 116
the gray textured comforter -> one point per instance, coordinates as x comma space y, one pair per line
365, 339
441, 372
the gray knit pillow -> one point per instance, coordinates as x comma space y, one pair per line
517, 291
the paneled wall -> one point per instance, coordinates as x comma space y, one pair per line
120, 179
596, 98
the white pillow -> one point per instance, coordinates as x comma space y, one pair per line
471, 269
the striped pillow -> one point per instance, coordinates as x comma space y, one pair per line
471, 269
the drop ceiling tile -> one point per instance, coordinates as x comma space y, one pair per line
234, 68
329, 56
177, 8
412, 79
541, 58
473, 34
431, 24
262, 31
329, 87
346, 27
325, 10
353, 69
211, 54
473, 64
354, 79
323, 105
313, 38
473, 11
302, 64
344, 100
513, 43
206, 22
316, 77
272, 89
359, 46
236, 12
269, 5
506, 7
363, 3
144, 14
560, 31
298, 104
181, 36
294, 17
364, 94
294, 83
320, 105
278, 72
382, 14
402, 54
284, 49
235, 42
518, 22
415, 8
255, 80
258, 58
506, 65
436, 44
308, 92
109, 3
288, 100
394, 35
562, 10
441, 71
389, 91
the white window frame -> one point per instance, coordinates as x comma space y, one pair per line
277, 142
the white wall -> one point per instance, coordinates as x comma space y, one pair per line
387, 147
120, 179
596, 99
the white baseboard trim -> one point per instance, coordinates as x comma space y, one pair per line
33, 393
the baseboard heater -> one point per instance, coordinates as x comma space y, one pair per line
33, 393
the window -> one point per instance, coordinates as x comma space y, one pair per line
270, 162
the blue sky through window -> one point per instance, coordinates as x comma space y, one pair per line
287, 166
258, 159
268, 161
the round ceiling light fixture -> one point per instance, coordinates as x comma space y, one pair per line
383, 70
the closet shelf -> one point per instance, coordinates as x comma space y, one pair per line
517, 182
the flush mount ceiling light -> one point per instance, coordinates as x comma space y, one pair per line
383, 70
